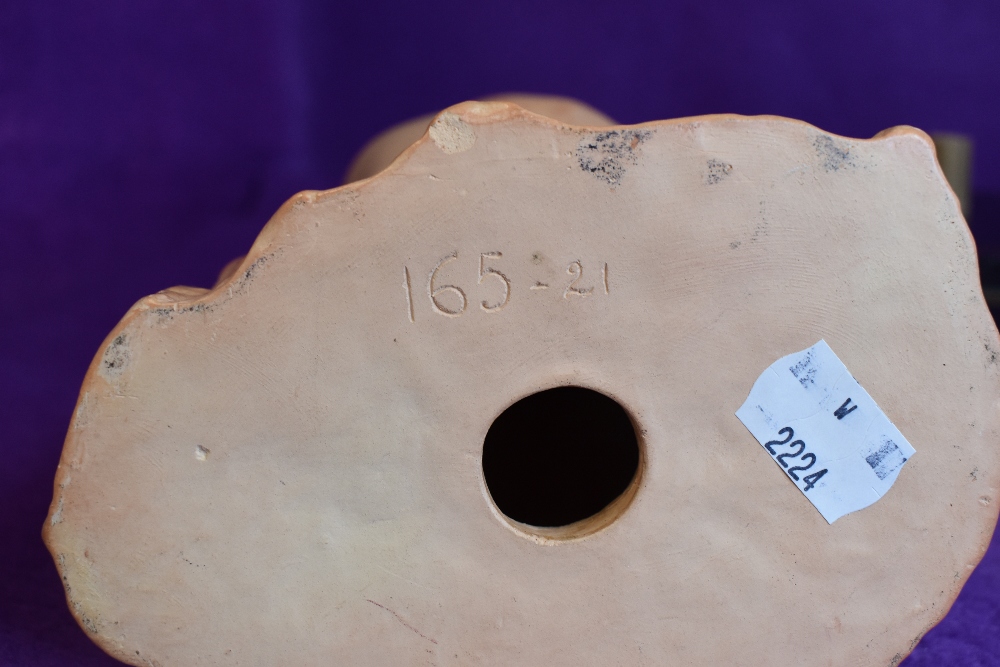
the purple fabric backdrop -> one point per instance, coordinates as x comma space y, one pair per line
144, 145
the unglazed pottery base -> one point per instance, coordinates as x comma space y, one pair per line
287, 469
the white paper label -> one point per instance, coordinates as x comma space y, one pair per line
825, 431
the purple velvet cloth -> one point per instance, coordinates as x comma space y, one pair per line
144, 144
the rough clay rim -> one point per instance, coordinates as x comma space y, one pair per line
593, 524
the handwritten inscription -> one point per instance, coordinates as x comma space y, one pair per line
485, 272
493, 287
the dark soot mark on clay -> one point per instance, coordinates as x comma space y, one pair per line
239, 288
85, 620
116, 356
196, 308
252, 269
717, 170
834, 154
990, 351
606, 155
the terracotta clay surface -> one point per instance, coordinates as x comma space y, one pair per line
378, 153
287, 469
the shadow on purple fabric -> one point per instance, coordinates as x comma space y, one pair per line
143, 145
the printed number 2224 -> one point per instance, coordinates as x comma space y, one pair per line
798, 447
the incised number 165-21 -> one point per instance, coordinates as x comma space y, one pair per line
499, 286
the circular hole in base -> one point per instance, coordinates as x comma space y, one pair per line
561, 457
